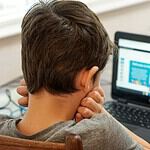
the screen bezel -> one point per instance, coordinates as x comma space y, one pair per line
118, 93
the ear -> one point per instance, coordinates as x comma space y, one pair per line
97, 80
87, 78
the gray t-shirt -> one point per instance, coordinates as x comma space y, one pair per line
101, 132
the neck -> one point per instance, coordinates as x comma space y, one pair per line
45, 109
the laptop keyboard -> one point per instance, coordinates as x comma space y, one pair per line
129, 114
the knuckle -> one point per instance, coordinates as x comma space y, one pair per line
102, 100
89, 101
85, 112
96, 93
84, 101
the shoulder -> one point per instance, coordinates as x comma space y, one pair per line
92, 131
7, 125
96, 124
101, 132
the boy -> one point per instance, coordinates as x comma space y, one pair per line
64, 50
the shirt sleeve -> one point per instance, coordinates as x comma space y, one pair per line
103, 132
117, 138
4, 118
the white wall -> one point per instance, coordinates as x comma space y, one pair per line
133, 19
10, 61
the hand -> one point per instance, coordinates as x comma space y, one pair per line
22, 90
91, 104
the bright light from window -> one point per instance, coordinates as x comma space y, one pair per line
14, 6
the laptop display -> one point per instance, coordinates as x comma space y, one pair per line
131, 68
133, 73
130, 92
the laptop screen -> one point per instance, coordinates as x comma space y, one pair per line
133, 73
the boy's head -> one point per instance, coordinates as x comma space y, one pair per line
59, 39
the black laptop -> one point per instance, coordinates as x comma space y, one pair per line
131, 83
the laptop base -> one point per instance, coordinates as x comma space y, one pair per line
141, 132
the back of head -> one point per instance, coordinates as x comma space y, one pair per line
59, 39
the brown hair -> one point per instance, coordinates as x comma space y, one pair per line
59, 39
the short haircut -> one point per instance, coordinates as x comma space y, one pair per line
59, 39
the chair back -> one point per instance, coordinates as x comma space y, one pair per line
72, 142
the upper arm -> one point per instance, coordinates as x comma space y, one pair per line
117, 138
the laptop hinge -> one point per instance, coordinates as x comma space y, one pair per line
121, 100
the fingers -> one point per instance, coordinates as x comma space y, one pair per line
78, 117
85, 112
23, 101
91, 104
22, 90
87, 109
95, 95
100, 91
